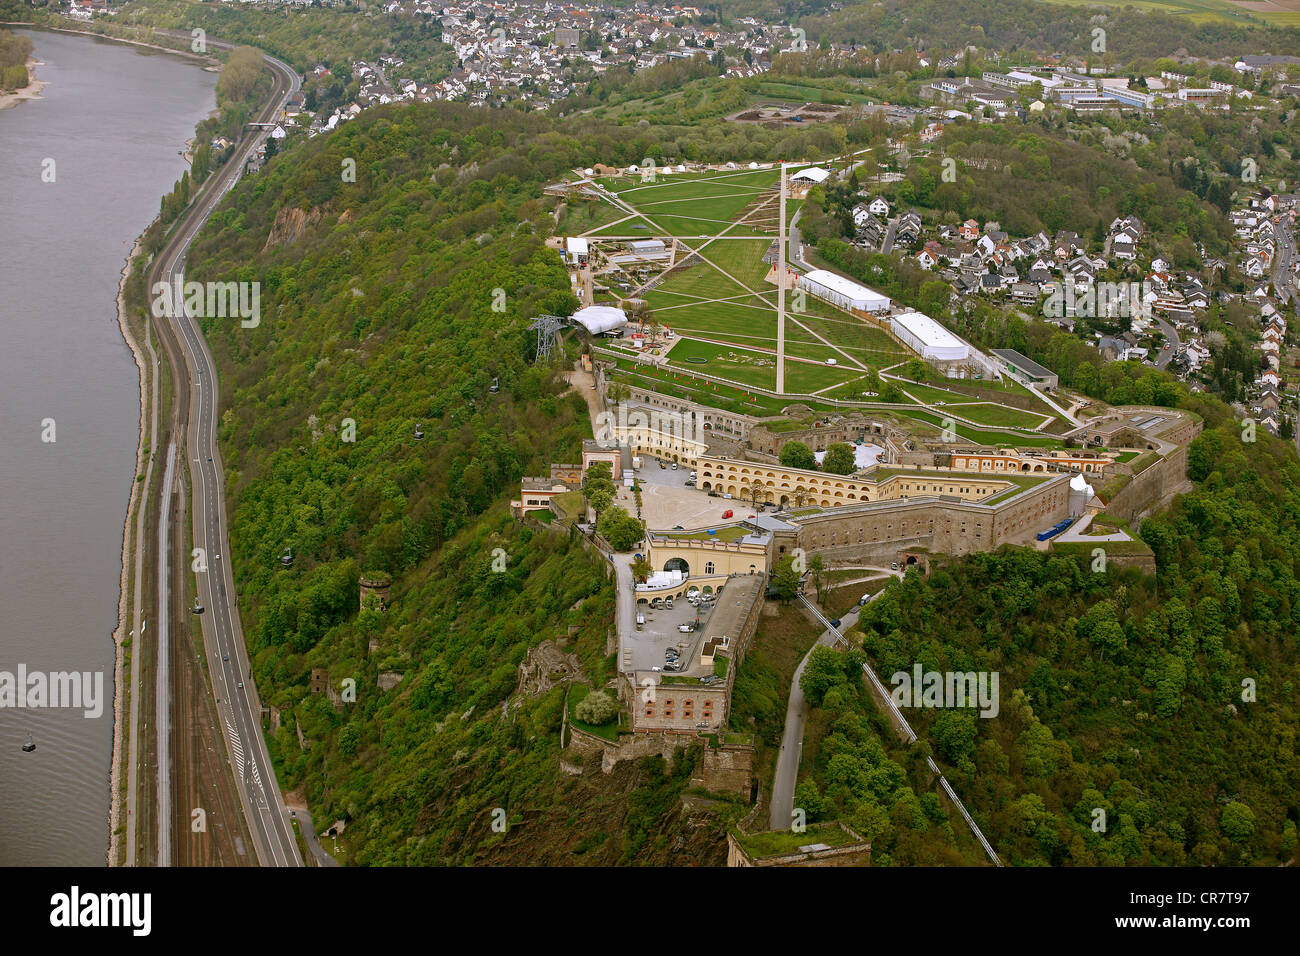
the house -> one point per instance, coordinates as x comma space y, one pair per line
1123, 246
878, 207
909, 228
871, 230
970, 230
1025, 293
925, 260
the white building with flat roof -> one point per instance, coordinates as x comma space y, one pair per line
928, 338
843, 292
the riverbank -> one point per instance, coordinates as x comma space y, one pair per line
131, 555
32, 91
210, 62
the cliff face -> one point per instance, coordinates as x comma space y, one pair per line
290, 224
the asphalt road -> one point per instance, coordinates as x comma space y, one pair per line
238, 705
1164, 356
1283, 287
796, 715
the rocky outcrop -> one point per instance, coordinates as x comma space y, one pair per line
290, 225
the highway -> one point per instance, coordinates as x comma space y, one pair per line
197, 402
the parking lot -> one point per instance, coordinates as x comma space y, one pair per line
661, 632
666, 502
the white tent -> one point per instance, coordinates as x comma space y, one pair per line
927, 338
600, 318
813, 174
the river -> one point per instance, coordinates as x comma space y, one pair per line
113, 119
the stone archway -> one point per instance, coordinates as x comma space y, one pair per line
677, 564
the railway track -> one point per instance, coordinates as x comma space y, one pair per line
207, 811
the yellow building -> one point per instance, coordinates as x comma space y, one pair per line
792, 487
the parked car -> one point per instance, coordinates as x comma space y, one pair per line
662, 465
728, 513
685, 628
674, 466
894, 566
835, 623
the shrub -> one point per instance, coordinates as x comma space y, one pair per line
596, 708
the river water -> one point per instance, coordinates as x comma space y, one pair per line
113, 118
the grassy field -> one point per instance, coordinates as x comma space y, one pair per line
725, 315
1200, 11
986, 437
986, 413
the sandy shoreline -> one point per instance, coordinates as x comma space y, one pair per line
32, 91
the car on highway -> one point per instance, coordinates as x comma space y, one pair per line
225, 657
728, 513
241, 685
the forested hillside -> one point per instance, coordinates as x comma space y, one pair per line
377, 315
1048, 28
1168, 702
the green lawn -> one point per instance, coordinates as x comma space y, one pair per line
997, 438
776, 842
728, 534
609, 731
1000, 415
